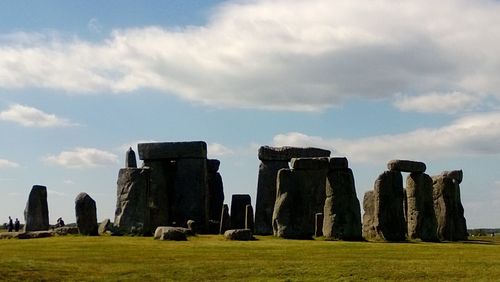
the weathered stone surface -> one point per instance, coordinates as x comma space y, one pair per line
266, 195
190, 193
171, 233
300, 195
239, 234
35, 234
451, 224
213, 165
172, 150
309, 163
215, 195
420, 208
338, 163
36, 213
238, 210
369, 217
318, 225
132, 211
458, 175
161, 192
225, 220
130, 160
342, 215
267, 153
105, 226
249, 222
65, 230
86, 214
406, 166
388, 221
191, 225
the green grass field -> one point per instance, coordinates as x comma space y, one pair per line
202, 258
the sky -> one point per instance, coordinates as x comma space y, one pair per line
81, 81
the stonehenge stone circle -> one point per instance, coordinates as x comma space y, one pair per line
132, 211
36, 213
300, 195
238, 210
86, 215
420, 207
225, 219
272, 160
406, 166
342, 214
387, 221
451, 223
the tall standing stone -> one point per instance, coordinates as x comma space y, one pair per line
451, 224
249, 222
369, 217
299, 197
420, 207
132, 211
215, 190
342, 215
130, 160
161, 182
272, 160
225, 220
238, 210
86, 215
388, 222
36, 213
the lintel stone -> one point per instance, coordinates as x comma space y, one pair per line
267, 153
172, 150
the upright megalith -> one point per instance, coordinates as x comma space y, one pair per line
239, 203
36, 213
86, 215
130, 160
300, 195
132, 212
342, 214
249, 221
420, 207
387, 221
225, 219
215, 195
451, 223
272, 160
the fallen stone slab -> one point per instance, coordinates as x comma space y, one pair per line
172, 150
267, 153
35, 234
406, 166
239, 234
173, 232
65, 230
309, 163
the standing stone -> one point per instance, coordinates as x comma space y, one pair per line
225, 220
272, 160
36, 213
105, 226
298, 199
130, 160
420, 207
318, 223
369, 218
342, 215
215, 190
132, 211
388, 222
238, 210
451, 225
249, 222
86, 215
161, 182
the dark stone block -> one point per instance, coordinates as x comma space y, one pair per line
420, 208
36, 213
173, 150
225, 220
249, 222
130, 160
309, 163
406, 166
267, 153
239, 234
86, 215
238, 210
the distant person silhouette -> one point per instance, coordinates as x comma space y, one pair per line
16, 225
10, 225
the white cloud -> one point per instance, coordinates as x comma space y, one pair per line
216, 150
32, 117
82, 158
303, 55
438, 102
474, 135
8, 164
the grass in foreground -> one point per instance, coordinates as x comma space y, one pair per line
79, 258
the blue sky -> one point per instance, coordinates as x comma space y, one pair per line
80, 81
